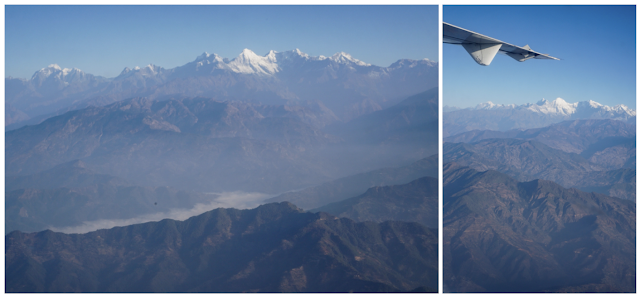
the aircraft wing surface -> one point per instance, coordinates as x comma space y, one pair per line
483, 48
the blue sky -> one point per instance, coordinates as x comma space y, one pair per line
102, 40
597, 45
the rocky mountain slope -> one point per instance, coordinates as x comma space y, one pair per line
501, 235
273, 248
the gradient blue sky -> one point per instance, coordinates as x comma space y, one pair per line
597, 45
102, 40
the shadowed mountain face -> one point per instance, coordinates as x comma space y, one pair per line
206, 145
400, 134
501, 235
355, 185
272, 248
606, 142
519, 158
192, 144
572, 136
529, 159
416, 201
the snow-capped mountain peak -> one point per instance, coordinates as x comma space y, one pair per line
594, 104
561, 108
344, 58
558, 106
487, 105
490, 105
149, 70
204, 55
55, 71
300, 53
249, 62
271, 56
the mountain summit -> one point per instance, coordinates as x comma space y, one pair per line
561, 107
500, 117
345, 85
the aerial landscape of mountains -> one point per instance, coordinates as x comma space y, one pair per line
293, 173
94, 165
539, 198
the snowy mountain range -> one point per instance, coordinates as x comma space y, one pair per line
500, 117
346, 85
561, 107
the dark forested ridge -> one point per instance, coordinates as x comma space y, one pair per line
273, 248
501, 235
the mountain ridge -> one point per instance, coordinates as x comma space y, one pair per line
341, 82
501, 235
489, 116
272, 248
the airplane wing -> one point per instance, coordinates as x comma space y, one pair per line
483, 48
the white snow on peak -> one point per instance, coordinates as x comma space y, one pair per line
487, 105
490, 105
623, 109
430, 62
558, 106
54, 70
204, 55
151, 69
300, 53
344, 58
271, 56
136, 68
69, 71
594, 104
251, 63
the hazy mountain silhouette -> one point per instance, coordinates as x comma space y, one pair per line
70, 194
529, 159
207, 145
609, 143
416, 201
357, 184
